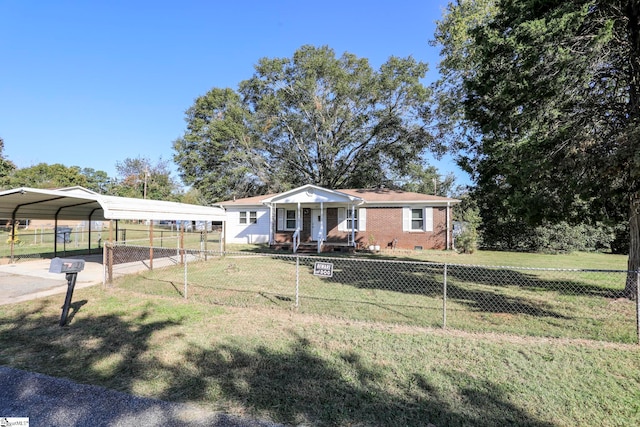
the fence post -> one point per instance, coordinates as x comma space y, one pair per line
444, 297
109, 248
638, 305
297, 279
186, 275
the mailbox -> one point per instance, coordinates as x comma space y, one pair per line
66, 265
71, 267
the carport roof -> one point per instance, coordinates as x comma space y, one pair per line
78, 203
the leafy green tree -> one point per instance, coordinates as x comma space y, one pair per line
97, 180
139, 178
427, 180
47, 176
467, 215
313, 118
548, 106
6, 166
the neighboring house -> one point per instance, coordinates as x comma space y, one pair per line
333, 220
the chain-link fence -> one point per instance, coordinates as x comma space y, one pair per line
569, 303
64, 241
37, 242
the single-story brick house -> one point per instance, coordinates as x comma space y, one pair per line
338, 219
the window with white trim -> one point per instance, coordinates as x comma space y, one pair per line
417, 219
352, 223
248, 217
287, 219
290, 222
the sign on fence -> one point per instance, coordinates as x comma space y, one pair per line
323, 269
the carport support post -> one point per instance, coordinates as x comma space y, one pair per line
13, 237
109, 249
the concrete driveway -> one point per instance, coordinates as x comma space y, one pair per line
27, 280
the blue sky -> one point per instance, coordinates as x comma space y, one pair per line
91, 83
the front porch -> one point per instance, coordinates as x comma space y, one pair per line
313, 219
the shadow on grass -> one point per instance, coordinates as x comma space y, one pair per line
289, 384
427, 280
296, 386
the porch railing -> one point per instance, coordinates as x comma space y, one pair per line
320, 241
296, 240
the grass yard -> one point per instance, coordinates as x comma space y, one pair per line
544, 303
310, 369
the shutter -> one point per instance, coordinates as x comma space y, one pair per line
280, 219
362, 219
406, 219
428, 219
342, 219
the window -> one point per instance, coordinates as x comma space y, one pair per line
287, 219
250, 217
291, 219
417, 219
352, 223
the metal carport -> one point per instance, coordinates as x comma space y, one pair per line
78, 203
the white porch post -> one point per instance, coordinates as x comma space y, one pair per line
298, 218
322, 235
353, 229
272, 224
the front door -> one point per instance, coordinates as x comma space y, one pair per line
316, 223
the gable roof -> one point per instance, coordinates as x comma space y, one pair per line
389, 196
376, 196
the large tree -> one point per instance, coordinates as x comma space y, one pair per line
547, 93
140, 178
313, 118
6, 166
46, 176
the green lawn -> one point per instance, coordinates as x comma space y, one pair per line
537, 302
313, 369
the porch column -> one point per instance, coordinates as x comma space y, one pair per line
272, 221
353, 229
322, 235
298, 218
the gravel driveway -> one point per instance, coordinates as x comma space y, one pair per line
53, 402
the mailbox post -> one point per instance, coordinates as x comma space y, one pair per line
71, 267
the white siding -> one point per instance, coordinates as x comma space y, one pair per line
247, 233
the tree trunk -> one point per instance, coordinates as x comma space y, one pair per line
631, 287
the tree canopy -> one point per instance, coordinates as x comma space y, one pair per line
6, 166
313, 118
140, 178
544, 95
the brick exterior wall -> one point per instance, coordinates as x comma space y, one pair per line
384, 225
